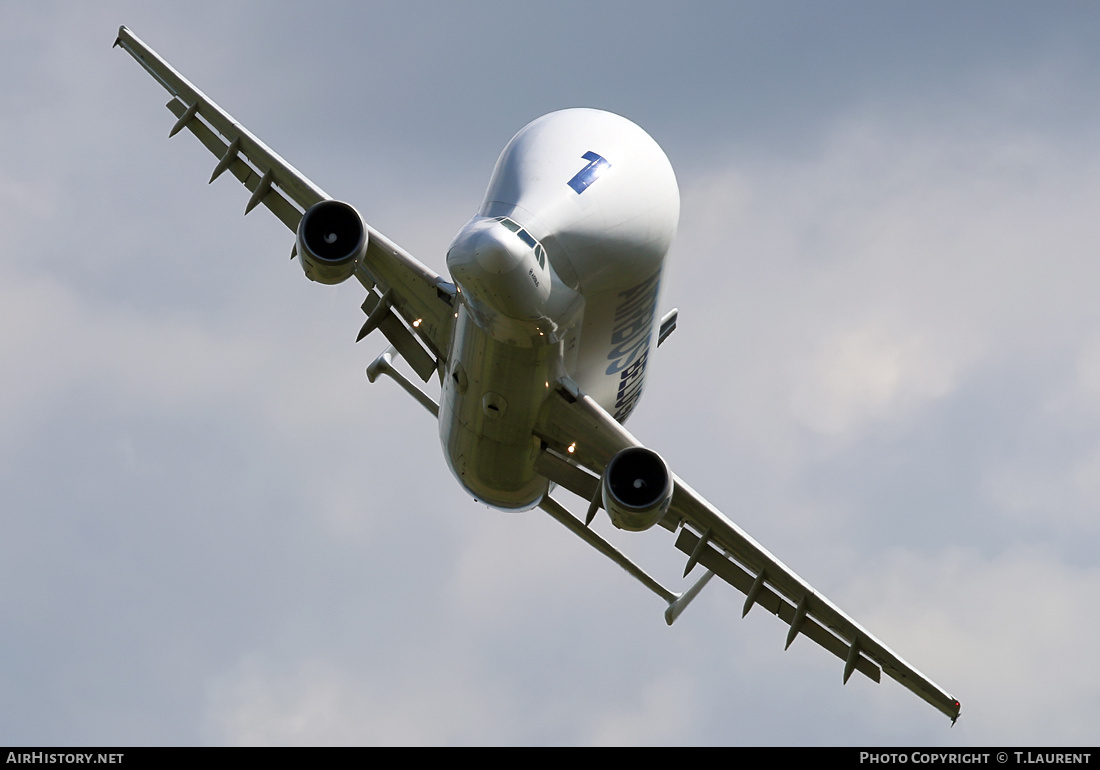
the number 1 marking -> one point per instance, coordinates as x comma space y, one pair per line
589, 173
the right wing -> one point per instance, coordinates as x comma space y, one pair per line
768, 582
421, 298
580, 439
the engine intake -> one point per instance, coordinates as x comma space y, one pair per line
331, 240
637, 488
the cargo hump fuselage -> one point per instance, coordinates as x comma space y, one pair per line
558, 276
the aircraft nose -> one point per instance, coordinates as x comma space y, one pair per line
482, 252
494, 249
496, 268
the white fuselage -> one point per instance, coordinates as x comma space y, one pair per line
557, 275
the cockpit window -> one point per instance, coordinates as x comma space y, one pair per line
526, 237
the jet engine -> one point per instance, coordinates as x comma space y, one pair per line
637, 488
331, 240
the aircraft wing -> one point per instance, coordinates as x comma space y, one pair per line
580, 439
419, 296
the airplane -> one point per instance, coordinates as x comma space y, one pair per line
540, 343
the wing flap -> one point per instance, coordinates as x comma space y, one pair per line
402, 339
274, 199
563, 473
423, 298
743, 581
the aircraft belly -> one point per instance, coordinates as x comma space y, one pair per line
492, 394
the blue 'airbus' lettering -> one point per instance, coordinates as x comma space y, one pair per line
630, 342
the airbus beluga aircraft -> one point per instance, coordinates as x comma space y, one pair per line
540, 342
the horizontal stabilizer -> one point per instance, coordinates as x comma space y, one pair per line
668, 325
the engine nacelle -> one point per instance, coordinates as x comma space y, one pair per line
637, 488
332, 238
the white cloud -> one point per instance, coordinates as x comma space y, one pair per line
858, 286
1010, 635
318, 702
664, 709
864, 377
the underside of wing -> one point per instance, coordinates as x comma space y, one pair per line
409, 303
272, 181
581, 447
718, 544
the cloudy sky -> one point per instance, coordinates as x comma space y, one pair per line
214, 531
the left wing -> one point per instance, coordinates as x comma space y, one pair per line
407, 289
580, 440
